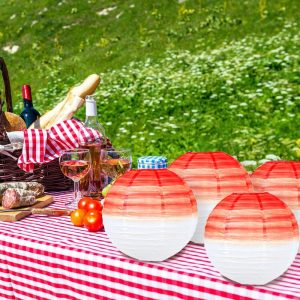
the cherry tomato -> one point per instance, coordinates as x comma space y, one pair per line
83, 202
94, 204
93, 220
77, 217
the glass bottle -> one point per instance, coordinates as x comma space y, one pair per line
94, 182
29, 114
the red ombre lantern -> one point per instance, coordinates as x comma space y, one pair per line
150, 214
211, 176
251, 238
282, 179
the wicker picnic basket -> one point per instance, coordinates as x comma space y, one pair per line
49, 174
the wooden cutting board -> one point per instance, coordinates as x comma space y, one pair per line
18, 215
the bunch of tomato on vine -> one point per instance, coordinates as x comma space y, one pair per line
88, 214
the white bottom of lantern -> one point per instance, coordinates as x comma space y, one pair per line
251, 262
297, 216
149, 239
204, 209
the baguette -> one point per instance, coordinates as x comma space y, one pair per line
72, 102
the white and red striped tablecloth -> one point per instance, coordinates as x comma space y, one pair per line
48, 258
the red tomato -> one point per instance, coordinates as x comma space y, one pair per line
77, 217
93, 220
83, 202
94, 205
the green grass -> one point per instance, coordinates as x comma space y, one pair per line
197, 76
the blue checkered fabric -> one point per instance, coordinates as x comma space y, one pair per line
152, 162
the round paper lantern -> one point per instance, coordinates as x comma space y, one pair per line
282, 179
251, 238
150, 214
211, 176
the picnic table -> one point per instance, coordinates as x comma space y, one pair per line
49, 258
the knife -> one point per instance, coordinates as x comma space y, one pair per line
42, 211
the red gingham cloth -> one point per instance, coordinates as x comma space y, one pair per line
49, 258
42, 146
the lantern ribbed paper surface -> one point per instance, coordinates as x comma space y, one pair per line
212, 176
150, 214
282, 179
152, 162
251, 238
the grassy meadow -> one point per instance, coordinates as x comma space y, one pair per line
176, 77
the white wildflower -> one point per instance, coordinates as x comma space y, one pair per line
119, 15
45, 9
262, 161
272, 157
13, 16
106, 11
11, 49
248, 163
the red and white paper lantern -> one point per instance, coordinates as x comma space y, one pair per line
282, 179
212, 176
251, 238
150, 214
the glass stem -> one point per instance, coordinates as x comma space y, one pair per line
76, 193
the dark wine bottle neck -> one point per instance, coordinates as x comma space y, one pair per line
27, 103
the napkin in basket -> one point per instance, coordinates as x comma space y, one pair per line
42, 146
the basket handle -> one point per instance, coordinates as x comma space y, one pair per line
7, 89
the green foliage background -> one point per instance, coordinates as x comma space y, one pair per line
176, 77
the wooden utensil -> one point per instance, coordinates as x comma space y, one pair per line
41, 211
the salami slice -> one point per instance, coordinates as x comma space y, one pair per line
35, 187
13, 198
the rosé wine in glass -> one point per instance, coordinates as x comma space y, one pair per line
75, 169
115, 163
75, 164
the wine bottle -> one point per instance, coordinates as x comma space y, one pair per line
93, 184
29, 114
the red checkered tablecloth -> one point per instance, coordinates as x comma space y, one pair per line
48, 258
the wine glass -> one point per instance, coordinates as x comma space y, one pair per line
75, 164
115, 163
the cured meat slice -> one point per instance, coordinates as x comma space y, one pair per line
13, 198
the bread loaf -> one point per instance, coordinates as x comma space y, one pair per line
12, 122
72, 102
